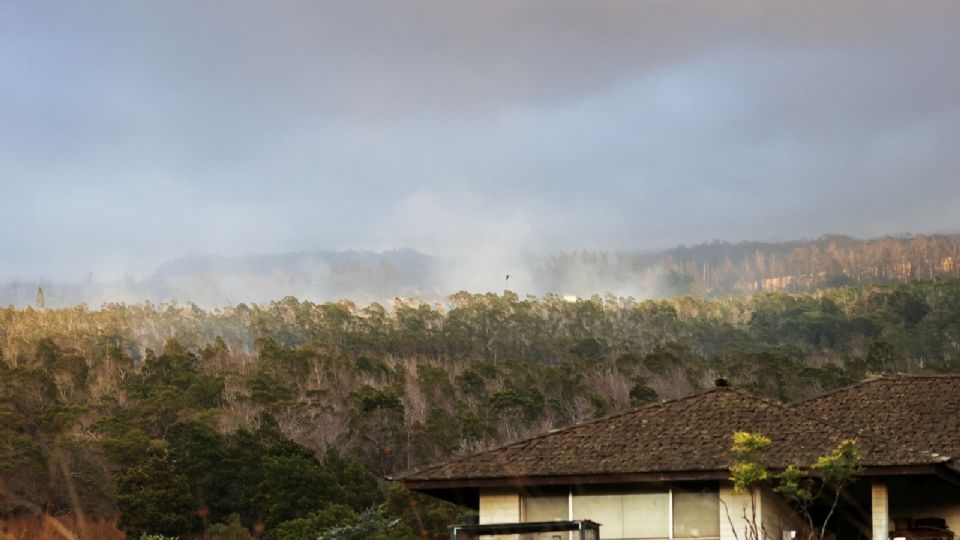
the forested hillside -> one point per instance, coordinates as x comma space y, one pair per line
745, 267
284, 417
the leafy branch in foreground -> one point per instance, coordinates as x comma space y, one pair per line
802, 488
747, 474
836, 471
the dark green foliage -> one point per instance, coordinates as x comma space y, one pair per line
600, 405
260, 477
372, 400
371, 524
291, 483
68, 370
641, 394
196, 450
154, 497
471, 383
22, 468
881, 357
235, 480
28, 393
378, 415
168, 385
312, 525
265, 388
359, 488
230, 529
421, 517
522, 404
372, 366
128, 447
587, 348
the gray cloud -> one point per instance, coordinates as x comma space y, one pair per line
131, 133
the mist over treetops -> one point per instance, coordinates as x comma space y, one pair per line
706, 270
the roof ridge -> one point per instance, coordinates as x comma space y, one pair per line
764, 399
835, 391
892, 375
557, 431
879, 377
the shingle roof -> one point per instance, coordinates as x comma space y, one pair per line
914, 411
686, 435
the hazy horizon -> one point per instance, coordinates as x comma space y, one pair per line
135, 133
363, 277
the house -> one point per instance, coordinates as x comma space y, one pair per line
662, 471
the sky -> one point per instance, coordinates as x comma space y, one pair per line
133, 132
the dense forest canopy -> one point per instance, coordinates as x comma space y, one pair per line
284, 417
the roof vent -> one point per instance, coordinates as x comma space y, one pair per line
721, 383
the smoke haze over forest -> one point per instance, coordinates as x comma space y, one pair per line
480, 132
364, 277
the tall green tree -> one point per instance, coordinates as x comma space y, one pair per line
154, 497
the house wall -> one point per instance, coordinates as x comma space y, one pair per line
498, 506
735, 513
771, 515
778, 517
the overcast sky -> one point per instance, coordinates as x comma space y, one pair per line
136, 131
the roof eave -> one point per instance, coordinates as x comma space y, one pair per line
927, 469
558, 480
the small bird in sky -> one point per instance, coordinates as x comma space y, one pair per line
508, 277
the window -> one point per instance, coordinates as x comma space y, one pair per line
684, 511
696, 513
625, 514
646, 515
605, 509
545, 507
